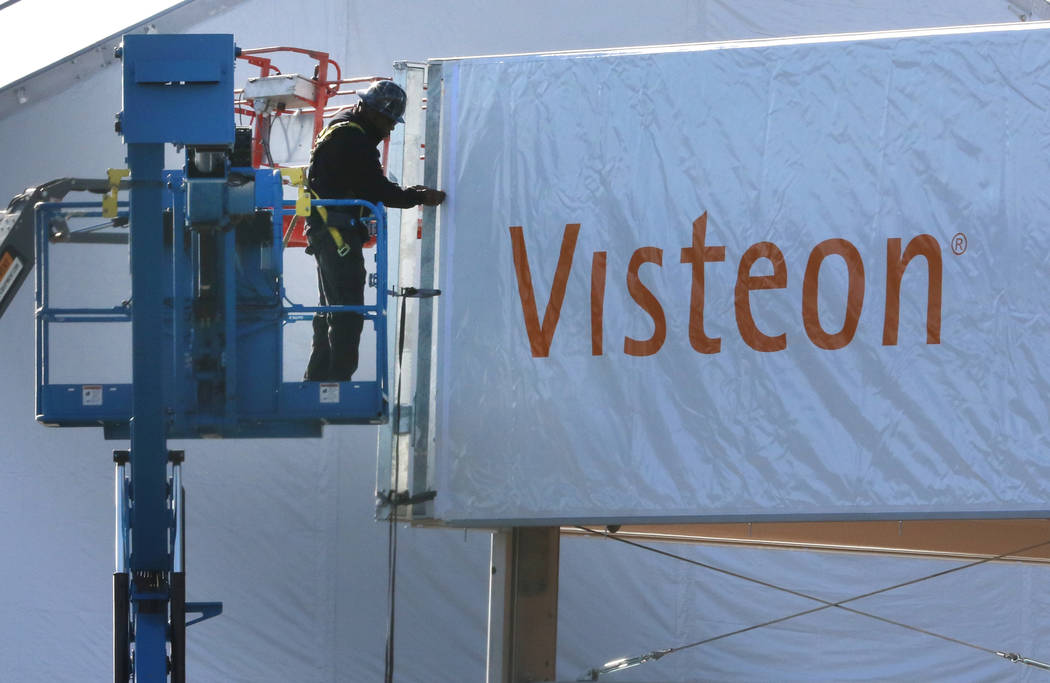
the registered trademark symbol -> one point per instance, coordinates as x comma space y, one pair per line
959, 244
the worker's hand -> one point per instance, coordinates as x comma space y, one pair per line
431, 197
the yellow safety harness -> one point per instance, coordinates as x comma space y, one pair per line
341, 247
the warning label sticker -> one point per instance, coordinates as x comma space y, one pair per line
91, 395
10, 267
329, 392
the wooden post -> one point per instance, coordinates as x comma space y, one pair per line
523, 605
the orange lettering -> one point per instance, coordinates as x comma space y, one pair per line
854, 297
597, 301
540, 336
927, 247
745, 283
698, 254
644, 298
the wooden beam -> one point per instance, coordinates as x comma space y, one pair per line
985, 538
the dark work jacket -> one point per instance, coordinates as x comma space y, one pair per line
346, 166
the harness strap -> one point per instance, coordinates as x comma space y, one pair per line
341, 247
327, 132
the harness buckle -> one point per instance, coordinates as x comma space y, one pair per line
343, 250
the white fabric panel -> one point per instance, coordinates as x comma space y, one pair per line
794, 144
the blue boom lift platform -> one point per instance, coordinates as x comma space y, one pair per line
207, 310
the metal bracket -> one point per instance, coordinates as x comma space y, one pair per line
390, 498
302, 200
1021, 659
109, 202
415, 293
621, 664
207, 610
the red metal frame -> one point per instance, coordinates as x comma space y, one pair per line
294, 226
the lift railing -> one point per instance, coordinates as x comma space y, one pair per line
288, 408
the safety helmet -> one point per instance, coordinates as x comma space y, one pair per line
386, 98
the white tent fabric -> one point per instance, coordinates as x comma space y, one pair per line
670, 603
283, 532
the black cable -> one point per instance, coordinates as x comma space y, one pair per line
264, 136
388, 675
825, 604
388, 667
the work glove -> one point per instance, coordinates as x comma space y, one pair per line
431, 197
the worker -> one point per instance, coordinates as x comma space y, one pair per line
345, 164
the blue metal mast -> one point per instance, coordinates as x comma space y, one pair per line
176, 89
149, 551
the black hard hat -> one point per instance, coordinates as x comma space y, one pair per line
387, 98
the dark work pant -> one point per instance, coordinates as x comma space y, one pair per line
340, 282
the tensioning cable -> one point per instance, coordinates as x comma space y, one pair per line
391, 561
825, 604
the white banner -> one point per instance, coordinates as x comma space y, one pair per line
777, 279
